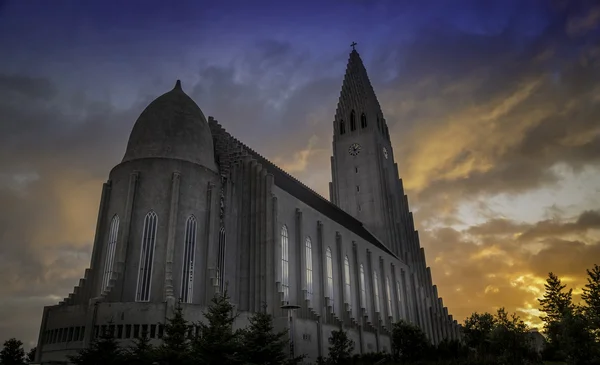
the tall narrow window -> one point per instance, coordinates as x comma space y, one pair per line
146, 257
376, 291
347, 292
378, 123
329, 274
363, 292
399, 295
363, 121
110, 251
221, 264
388, 292
189, 251
342, 127
285, 279
309, 268
352, 121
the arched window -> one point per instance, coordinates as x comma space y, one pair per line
309, 268
347, 292
352, 121
329, 274
285, 264
363, 292
146, 257
388, 292
189, 250
110, 251
342, 127
376, 291
363, 121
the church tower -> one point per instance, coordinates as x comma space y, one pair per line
364, 176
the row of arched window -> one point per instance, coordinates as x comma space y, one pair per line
363, 124
144, 280
329, 287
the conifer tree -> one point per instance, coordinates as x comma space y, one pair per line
591, 297
340, 348
175, 347
556, 305
104, 350
142, 352
261, 345
217, 342
12, 353
556, 302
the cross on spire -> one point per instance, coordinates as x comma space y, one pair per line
353, 45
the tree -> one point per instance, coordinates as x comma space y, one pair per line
217, 342
556, 302
142, 352
12, 353
555, 305
591, 297
104, 350
577, 341
340, 348
409, 343
261, 345
30, 357
451, 349
510, 339
477, 332
175, 347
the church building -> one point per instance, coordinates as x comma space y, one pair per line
191, 211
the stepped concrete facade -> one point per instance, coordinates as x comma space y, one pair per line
191, 211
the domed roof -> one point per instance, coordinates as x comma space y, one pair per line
172, 126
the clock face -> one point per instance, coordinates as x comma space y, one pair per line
354, 149
385, 154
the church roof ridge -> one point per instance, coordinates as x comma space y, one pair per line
344, 218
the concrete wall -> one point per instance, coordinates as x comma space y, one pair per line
153, 191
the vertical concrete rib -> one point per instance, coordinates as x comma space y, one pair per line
171, 230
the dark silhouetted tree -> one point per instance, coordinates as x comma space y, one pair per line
261, 344
142, 352
217, 342
104, 350
12, 353
340, 348
409, 342
451, 350
555, 305
477, 332
510, 340
175, 347
591, 297
30, 357
577, 343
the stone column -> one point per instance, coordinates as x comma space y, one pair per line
171, 230
300, 279
96, 267
123, 243
271, 242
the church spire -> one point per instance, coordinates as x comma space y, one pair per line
358, 95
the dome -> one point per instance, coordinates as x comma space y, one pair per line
172, 126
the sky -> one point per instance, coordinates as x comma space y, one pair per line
493, 109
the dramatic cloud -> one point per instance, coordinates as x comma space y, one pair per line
494, 110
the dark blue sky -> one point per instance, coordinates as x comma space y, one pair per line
493, 108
